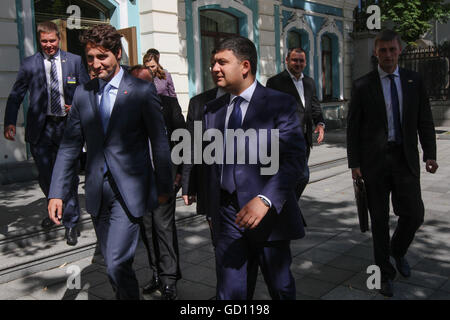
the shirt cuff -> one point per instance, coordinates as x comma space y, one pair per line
267, 199
321, 124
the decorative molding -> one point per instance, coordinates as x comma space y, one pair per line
196, 5
298, 21
330, 26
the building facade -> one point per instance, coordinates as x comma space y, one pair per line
185, 31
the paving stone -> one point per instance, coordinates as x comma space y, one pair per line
200, 274
196, 256
404, 291
26, 298
337, 245
361, 251
446, 286
424, 279
304, 267
319, 255
350, 263
439, 295
188, 290
314, 288
359, 281
346, 293
434, 267
330, 274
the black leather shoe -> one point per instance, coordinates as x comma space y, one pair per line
387, 288
47, 223
154, 284
169, 292
403, 266
72, 235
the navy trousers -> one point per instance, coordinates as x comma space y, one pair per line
118, 235
44, 153
236, 255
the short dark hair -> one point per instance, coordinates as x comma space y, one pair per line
139, 67
103, 35
387, 35
47, 27
243, 49
297, 49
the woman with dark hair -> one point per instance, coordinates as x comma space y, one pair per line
162, 78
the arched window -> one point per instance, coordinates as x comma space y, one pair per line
214, 25
294, 40
327, 70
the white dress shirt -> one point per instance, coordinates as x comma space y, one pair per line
115, 82
48, 69
386, 85
247, 96
299, 85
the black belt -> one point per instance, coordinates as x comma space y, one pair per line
227, 198
56, 118
392, 145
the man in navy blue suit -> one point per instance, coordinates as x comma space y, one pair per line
51, 77
115, 114
254, 215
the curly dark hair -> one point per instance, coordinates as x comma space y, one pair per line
103, 35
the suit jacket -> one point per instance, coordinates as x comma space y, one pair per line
310, 113
136, 117
192, 178
268, 109
32, 77
367, 127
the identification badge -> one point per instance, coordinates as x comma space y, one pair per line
71, 80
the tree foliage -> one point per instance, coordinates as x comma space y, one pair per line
413, 18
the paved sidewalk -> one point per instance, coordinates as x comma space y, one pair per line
329, 263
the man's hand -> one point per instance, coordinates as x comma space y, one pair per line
356, 173
431, 166
163, 198
251, 214
10, 132
67, 107
321, 131
188, 200
55, 210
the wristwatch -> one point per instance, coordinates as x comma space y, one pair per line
266, 203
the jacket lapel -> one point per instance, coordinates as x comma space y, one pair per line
254, 107
377, 93
405, 92
291, 88
94, 87
63, 58
122, 93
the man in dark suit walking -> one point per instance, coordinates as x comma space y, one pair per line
193, 188
292, 81
116, 115
254, 213
389, 108
163, 246
51, 77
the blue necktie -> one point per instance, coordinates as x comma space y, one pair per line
55, 98
105, 106
105, 111
395, 110
234, 122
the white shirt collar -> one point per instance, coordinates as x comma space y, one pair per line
56, 56
293, 77
115, 81
384, 74
247, 93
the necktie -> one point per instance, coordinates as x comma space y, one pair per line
105, 106
55, 98
395, 110
234, 122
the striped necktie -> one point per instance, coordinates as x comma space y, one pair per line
55, 97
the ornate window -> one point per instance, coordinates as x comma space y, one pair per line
214, 25
327, 70
294, 40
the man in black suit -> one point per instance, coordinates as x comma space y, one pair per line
163, 254
292, 81
389, 107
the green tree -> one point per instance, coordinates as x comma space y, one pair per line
413, 18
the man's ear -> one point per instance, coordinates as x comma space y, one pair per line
119, 54
246, 67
